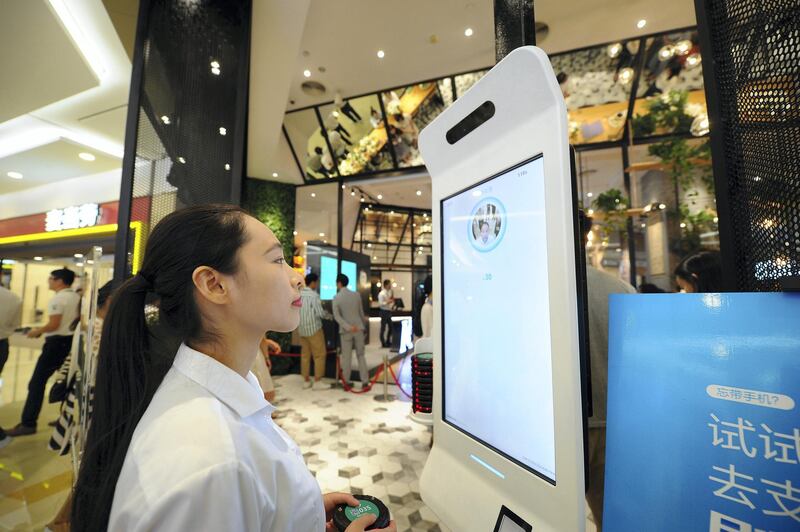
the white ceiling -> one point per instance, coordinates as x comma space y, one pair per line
344, 36
64, 90
49, 163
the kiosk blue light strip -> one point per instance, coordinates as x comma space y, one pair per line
487, 466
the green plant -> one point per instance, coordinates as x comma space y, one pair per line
692, 227
613, 204
274, 205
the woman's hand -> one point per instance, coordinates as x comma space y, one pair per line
361, 524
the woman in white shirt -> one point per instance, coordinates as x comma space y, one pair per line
185, 441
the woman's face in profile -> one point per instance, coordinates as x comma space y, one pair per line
684, 285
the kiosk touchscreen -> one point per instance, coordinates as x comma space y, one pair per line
508, 427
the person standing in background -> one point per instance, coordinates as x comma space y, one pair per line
349, 314
10, 314
62, 310
386, 302
599, 286
701, 272
426, 313
312, 336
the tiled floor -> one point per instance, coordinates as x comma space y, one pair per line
351, 443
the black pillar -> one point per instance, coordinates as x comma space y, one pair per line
514, 26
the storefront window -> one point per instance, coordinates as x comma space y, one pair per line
309, 144
423, 245
671, 98
596, 84
357, 135
409, 111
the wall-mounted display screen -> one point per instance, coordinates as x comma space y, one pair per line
327, 277
496, 353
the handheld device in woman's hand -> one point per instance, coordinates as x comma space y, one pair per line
344, 514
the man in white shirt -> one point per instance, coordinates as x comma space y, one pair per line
10, 313
386, 303
62, 310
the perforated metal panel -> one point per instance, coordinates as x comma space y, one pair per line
189, 131
753, 89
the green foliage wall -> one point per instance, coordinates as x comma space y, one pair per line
273, 204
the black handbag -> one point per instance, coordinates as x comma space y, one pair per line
58, 392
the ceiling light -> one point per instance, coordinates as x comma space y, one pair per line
380, 196
84, 42
215, 71
419, 193
227, 166
369, 244
374, 258
614, 50
693, 60
313, 194
683, 47
381, 54
662, 206
352, 192
181, 160
165, 119
589, 194
362, 200
307, 73
394, 285
590, 212
274, 174
391, 212
14, 175
626, 75
78, 255
716, 220
641, 24
665, 52
86, 156
214, 64
644, 225
223, 131
468, 32
683, 225
79, 264
322, 234
335, 114
38, 258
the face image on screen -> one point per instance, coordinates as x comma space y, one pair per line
327, 276
497, 366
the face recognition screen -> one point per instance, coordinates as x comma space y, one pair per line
498, 385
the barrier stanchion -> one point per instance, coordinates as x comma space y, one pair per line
386, 398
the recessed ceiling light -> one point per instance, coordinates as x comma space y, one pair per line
181, 160
307, 73
215, 71
322, 234
215, 68
313, 194
294, 233
589, 194
468, 32
274, 174
165, 119
78, 255
335, 114
380, 196
38, 258
419, 193
381, 54
223, 131
352, 192
14, 175
214, 64
227, 166
86, 156
641, 24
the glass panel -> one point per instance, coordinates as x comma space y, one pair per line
602, 187
465, 81
671, 98
357, 135
309, 145
409, 110
596, 84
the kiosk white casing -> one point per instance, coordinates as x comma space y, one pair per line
530, 119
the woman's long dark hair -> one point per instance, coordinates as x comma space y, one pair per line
702, 270
129, 370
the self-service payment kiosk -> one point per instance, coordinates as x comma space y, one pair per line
508, 427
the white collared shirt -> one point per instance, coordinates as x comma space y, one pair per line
10, 312
206, 455
65, 303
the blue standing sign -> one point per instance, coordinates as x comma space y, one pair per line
703, 413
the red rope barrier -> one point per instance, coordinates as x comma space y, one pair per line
391, 372
363, 390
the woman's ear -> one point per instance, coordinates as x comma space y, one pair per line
210, 285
